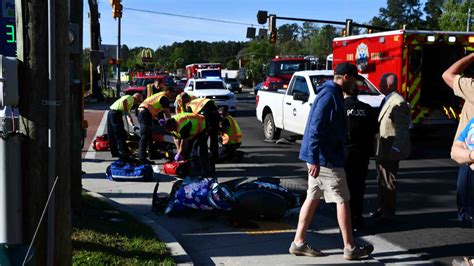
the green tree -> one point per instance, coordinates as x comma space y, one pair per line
287, 32
433, 10
399, 13
454, 17
232, 64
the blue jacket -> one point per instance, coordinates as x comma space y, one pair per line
325, 133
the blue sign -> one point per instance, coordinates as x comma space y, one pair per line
7, 28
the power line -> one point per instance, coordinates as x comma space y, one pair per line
190, 17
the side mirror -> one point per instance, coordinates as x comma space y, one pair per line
298, 96
188, 89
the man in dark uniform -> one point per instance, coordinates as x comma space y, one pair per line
362, 127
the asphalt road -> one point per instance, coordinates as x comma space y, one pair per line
426, 215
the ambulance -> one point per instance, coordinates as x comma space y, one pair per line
418, 59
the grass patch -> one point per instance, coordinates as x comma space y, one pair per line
105, 236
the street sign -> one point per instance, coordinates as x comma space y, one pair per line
147, 55
7, 28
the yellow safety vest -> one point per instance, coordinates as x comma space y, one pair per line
197, 121
153, 104
118, 104
197, 105
233, 133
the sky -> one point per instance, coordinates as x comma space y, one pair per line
155, 30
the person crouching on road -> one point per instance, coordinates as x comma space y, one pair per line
115, 126
147, 111
230, 135
323, 151
362, 127
208, 109
189, 131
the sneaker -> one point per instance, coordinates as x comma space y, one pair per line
358, 252
305, 250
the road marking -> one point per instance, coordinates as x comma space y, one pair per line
100, 130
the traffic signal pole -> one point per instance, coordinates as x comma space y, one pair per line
118, 55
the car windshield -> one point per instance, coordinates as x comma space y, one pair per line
209, 85
286, 67
365, 87
143, 82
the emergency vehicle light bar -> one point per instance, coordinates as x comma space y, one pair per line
471, 39
431, 38
452, 39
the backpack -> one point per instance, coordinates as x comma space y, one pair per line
129, 171
262, 198
101, 143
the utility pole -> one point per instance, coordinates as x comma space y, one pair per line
40, 155
77, 105
468, 29
95, 47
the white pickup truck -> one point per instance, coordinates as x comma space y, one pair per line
289, 109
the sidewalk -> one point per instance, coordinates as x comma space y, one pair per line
211, 240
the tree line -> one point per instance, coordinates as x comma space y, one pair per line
295, 39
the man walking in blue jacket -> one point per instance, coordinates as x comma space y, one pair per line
323, 151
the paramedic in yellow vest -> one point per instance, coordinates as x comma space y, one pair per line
115, 126
208, 109
181, 102
147, 112
230, 135
189, 131
152, 88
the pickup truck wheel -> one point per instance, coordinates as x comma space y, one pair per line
269, 128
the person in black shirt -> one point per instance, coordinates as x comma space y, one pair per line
359, 146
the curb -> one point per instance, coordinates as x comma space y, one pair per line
177, 251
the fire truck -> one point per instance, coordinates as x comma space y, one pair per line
418, 59
203, 70
281, 70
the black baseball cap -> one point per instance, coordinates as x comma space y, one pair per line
346, 68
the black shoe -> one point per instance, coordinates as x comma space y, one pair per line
146, 161
376, 214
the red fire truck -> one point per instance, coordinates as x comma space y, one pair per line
281, 70
203, 70
418, 59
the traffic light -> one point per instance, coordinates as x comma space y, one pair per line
272, 28
262, 17
370, 30
348, 27
116, 8
344, 33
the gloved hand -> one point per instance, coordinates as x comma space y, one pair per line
178, 157
136, 129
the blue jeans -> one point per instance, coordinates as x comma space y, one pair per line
465, 194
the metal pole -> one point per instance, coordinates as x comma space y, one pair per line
118, 57
468, 20
51, 124
91, 71
332, 22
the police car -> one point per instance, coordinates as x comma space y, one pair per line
212, 88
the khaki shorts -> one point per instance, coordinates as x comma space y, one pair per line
331, 184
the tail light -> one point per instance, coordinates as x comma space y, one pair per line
257, 97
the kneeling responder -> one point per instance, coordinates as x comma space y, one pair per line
231, 135
189, 131
147, 111
115, 126
208, 109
